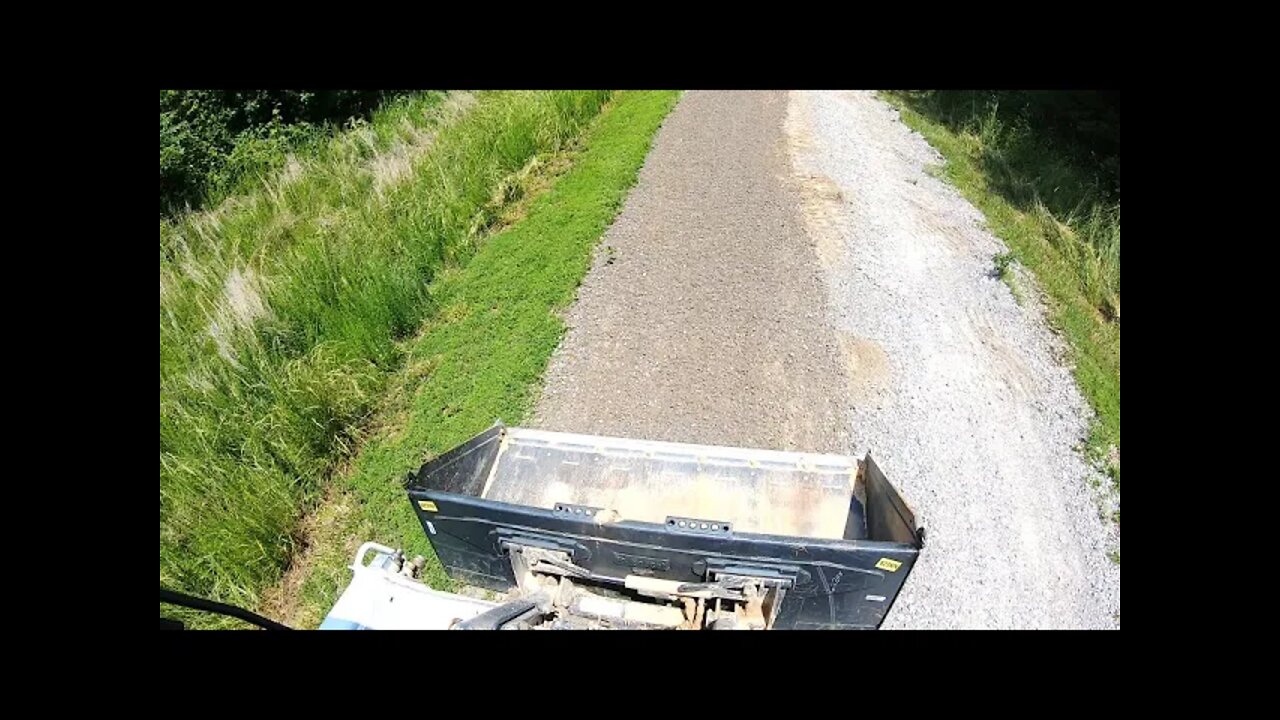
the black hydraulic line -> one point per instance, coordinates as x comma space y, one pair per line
176, 598
495, 618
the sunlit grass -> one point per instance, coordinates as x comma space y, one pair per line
281, 312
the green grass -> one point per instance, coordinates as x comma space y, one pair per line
282, 311
1004, 270
1055, 224
481, 356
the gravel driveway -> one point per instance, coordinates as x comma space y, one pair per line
787, 275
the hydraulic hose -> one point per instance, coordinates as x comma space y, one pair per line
176, 598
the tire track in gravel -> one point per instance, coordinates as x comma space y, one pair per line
973, 413
703, 317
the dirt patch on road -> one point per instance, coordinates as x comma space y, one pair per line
868, 367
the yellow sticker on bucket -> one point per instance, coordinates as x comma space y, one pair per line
427, 505
889, 564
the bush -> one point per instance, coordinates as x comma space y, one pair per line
212, 140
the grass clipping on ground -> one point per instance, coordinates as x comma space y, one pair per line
1082, 306
480, 358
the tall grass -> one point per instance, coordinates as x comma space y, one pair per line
214, 142
279, 312
482, 355
1077, 210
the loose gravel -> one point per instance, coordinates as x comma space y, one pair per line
959, 392
703, 318
787, 274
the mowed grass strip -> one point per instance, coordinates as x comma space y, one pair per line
282, 314
481, 357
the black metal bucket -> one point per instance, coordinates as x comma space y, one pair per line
830, 527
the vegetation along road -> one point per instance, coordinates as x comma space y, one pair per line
930, 277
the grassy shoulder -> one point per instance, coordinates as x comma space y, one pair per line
282, 314
480, 356
1075, 260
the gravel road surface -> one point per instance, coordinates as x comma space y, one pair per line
703, 318
786, 274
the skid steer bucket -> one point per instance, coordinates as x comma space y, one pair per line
825, 539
